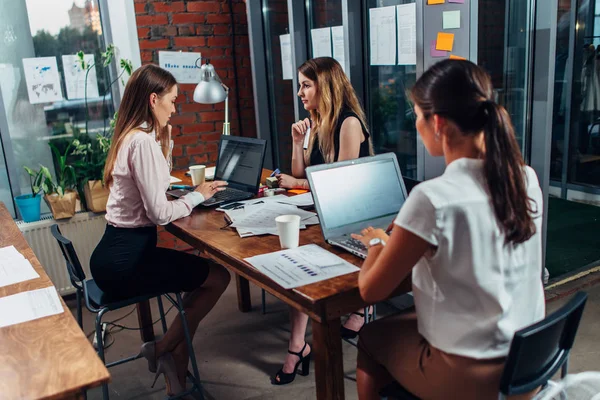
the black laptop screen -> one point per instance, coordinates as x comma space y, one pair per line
240, 162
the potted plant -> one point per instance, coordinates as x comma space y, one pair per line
29, 204
89, 171
60, 196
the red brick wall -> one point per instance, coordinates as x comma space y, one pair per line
200, 26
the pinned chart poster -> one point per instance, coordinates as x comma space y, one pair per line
451, 19
286, 56
321, 42
75, 77
382, 28
407, 33
43, 79
339, 52
185, 66
445, 41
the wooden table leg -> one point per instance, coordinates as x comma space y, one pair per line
145, 320
329, 371
243, 292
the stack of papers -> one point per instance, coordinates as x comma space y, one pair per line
14, 268
301, 266
27, 306
258, 217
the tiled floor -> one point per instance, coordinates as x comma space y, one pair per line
238, 352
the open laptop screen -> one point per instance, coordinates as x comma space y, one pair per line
360, 192
240, 161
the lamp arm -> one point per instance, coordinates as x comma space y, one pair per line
226, 123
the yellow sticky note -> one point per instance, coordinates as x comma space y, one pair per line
445, 41
453, 57
297, 191
430, 2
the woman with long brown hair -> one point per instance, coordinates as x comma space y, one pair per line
472, 240
127, 262
338, 131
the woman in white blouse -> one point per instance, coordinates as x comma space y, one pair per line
472, 239
127, 262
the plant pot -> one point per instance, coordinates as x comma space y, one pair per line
29, 206
62, 207
96, 196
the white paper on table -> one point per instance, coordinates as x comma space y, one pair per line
75, 77
14, 268
27, 306
286, 56
173, 179
383, 35
43, 79
301, 266
339, 51
300, 200
264, 217
185, 66
321, 42
407, 34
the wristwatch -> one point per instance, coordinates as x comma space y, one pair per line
375, 242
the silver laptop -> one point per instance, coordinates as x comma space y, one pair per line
352, 195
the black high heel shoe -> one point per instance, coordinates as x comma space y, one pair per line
284, 378
346, 333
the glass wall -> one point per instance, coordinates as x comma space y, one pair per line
281, 91
390, 113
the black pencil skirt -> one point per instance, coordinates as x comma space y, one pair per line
127, 263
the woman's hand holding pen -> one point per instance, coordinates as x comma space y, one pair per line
299, 130
370, 233
208, 189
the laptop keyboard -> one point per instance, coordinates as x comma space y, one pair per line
231, 194
354, 244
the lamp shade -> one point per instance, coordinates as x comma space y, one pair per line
209, 90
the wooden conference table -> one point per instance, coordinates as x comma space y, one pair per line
47, 358
324, 302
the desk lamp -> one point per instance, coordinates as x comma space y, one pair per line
211, 90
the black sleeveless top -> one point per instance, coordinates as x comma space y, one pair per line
316, 157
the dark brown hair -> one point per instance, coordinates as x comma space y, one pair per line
135, 110
335, 93
462, 92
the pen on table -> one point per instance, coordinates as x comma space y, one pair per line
277, 171
186, 187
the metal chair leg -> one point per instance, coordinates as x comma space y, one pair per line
79, 313
374, 312
264, 303
190, 345
100, 345
161, 310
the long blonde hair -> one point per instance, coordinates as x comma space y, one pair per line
335, 93
135, 112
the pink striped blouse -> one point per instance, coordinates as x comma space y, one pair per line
141, 177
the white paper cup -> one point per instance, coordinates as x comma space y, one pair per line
288, 227
198, 173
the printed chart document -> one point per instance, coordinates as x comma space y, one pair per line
301, 266
14, 268
300, 200
321, 42
43, 80
27, 306
259, 219
286, 56
407, 34
185, 66
383, 35
337, 34
75, 77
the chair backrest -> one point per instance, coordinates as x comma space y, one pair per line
76, 273
538, 351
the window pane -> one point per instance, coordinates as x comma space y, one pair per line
323, 14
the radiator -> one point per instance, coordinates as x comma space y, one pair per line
83, 229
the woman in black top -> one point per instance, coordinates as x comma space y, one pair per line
338, 132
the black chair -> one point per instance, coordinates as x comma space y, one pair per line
536, 353
98, 302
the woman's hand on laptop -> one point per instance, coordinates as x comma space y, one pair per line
370, 233
208, 189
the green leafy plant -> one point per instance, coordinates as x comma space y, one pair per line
38, 179
65, 173
90, 158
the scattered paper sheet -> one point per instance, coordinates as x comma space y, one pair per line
339, 52
383, 35
321, 42
445, 41
43, 80
286, 56
300, 200
184, 65
14, 268
407, 34
27, 306
258, 218
75, 77
174, 179
301, 266
436, 53
451, 19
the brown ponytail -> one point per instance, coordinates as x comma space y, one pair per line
460, 91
